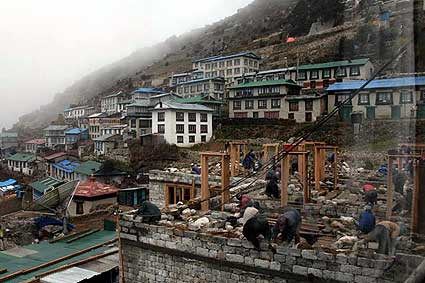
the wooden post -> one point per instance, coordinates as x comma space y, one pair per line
284, 181
335, 167
316, 169
322, 163
415, 199
232, 160
390, 188
225, 181
205, 190
306, 188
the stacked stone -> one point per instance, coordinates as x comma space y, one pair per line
284, 264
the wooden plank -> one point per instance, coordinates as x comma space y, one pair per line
284, 181
82, 236
316, 169
225, 181
390, 189
72, 235
205, 191
335, 171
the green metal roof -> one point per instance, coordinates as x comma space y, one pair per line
335, 64
266, 83
45, 252
197, 99
22, 157
88, 168
43, 184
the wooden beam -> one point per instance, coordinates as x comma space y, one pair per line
225, 181
205, 190
395, 156
232, 160
284, 181
82, 236
390, 189
72, 235
306, 187
316, 169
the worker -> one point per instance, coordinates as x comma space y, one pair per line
367, 220
195, 169
399, 179
288, 225
254, 227
249, 213
149, 212
248, 161
386, 234
272, 189
371, 197
294, 165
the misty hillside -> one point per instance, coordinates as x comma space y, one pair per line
262, 27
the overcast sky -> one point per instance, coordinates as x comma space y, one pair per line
47, 45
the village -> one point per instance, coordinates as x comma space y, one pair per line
151, 184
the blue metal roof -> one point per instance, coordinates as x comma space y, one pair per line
147, 90
8, 182
75, 131
384, 83
66, 166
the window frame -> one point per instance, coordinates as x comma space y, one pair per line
262, 105
204, 129
276, 106
360, 100
410, 93
326, 76
235, 106
379, 102
294, 109
192, 129
182, 192
204, 118
309, 109
180, 119
161, 117
191, 117
179, 128
301, 78
178, 139
249, 104
161, 128
192, 139
316, 77
354, 73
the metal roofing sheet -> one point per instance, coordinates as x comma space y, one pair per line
72, 275
22, 157
181, 106
8, 182
202, 80
334, 64
376, 84
88, 167
147, 90
66, 166
75, 131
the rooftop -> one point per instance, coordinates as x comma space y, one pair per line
55, 155
77, 107
181, 106
93, 188
223, 57
88, 167
104, 137
376, 84
24, 157
114, 95
200, 99
43, 184
201, 80
147, 90
334, 64
8, 135
266, 83
76, 131
56, 128
66, 165
36, 141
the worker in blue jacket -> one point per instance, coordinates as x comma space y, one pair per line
367, 220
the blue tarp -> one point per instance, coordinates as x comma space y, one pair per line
45, 221
385, 83
9, 182
75, 131
66, 166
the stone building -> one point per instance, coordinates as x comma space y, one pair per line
54, 136
33, 146
22, 162
8, 140
111, 104
101, 120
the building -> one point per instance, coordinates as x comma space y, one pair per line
264, 99
133, 197
203, 99
52, 159
101, 120
111, 104
87, 169
75, 135
113, 130
23, 163
8, 140
34, 146
144, 93
64, 170
394, 98
90, 195
228, 67
105, 144
54, 135
268, 75
182, 124
40, 187
176, 79
77, 112
214, 87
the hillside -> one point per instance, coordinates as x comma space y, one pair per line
261, 27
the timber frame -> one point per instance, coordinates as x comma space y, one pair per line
320, 162
236, 147
285, 173
225, 179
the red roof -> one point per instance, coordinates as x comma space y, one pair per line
55, 155
36, 141
92, 188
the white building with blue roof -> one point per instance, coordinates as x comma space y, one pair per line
182, 124
393, 98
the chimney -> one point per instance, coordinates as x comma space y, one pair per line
160, 104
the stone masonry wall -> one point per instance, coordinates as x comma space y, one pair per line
167, 254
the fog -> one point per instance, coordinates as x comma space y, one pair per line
47, 45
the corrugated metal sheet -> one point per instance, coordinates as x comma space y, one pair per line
72, 275
384, 83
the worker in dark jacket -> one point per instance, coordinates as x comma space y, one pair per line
386, 234
249, 161
371, 197
149, 212
288, 225
254, 227
272, 189
399, 179
367, 220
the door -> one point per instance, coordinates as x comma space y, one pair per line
370, 113
345, 113
395, 112
421, 111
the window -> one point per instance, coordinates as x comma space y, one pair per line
221, 64
176, 193
192, 117
245, 61
363, 98
214, 65
406, 96
237, 105
161, 129
180, 129
271, 115
203, 138
355, 71
207, 66
180, 90
314, 75
161, 116
79, 209
206, 86
326, 74
262, 104
341, 72
192, 88
341, 98
199, 87
255, 64
204, 117
208, 74
308, 105
237, 62
384, 98
302, 76
275, 103
180, 116
186, 89
293, 106
291, 116
179, 139
192, 129
308, 117
237, 71
241, 115
255, 115
251, 63
312, 84
221, 73
229, 72
133, 123
204, 129
249, 104
191, 139
229, 63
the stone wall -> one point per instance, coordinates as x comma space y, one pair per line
168, 254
